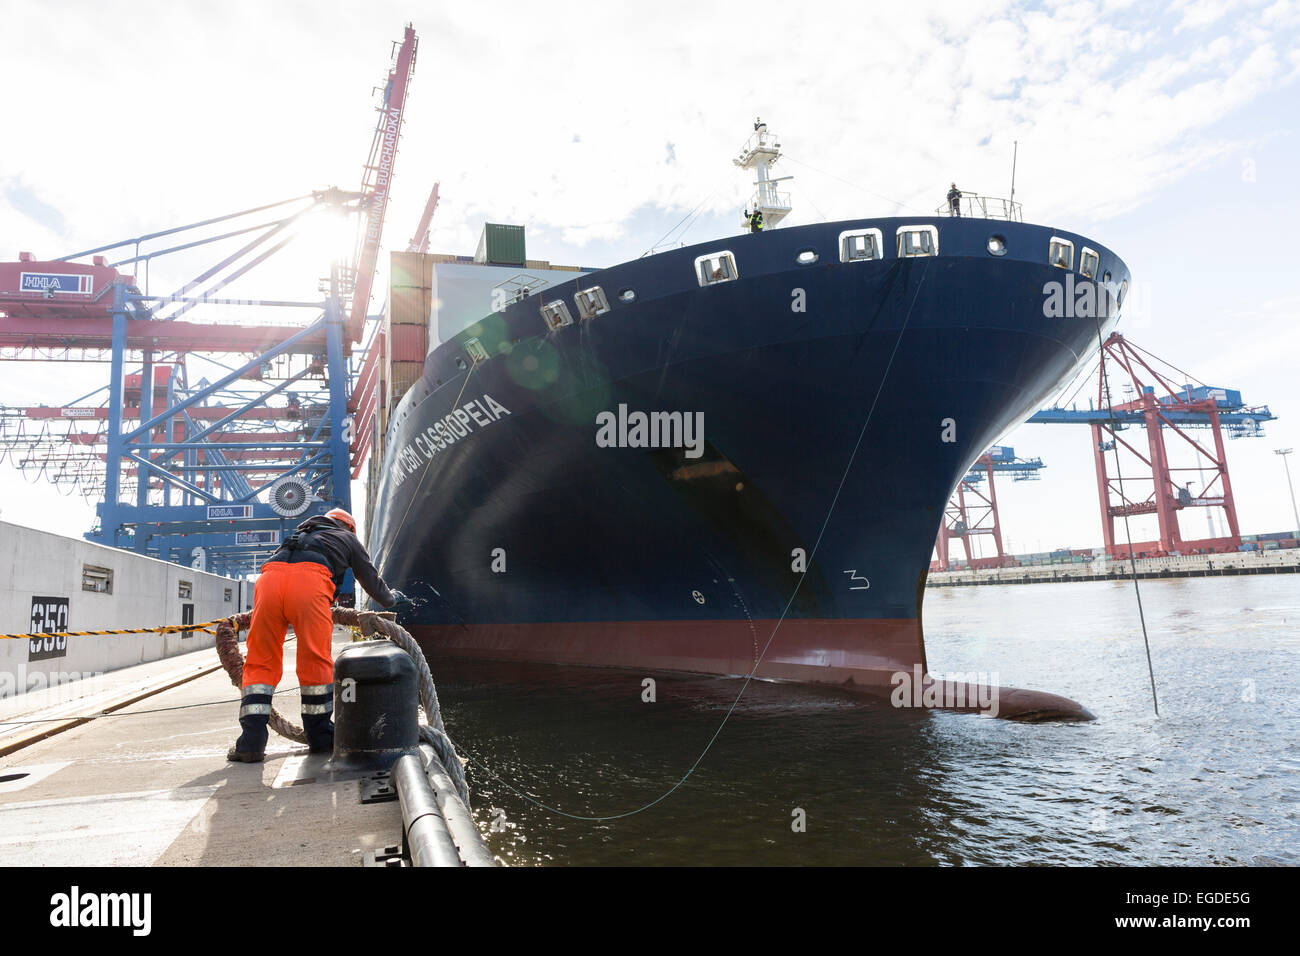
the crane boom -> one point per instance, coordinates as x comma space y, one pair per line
420, 241
376, 182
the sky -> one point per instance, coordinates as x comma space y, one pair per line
1166, 131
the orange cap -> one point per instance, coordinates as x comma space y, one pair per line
342, 517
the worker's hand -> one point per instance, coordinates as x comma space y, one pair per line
400, 599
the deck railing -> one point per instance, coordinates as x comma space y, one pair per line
975, 206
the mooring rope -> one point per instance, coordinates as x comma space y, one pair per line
1128, 534
372, 625
232, 659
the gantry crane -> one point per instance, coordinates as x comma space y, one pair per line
971, 513
1146, 482
187, 468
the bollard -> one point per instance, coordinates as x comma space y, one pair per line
375, 699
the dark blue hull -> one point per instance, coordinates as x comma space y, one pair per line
838, 431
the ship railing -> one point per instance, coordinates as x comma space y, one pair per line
975, 206
762, 140
773, 199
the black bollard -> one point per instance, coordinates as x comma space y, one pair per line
375, 699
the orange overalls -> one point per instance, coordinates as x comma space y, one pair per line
291, 595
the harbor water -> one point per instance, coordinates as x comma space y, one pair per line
803, 775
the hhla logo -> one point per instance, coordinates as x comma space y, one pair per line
75, 908
1062, 300
651, 430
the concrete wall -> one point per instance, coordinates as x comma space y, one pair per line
1191, 564
145, 593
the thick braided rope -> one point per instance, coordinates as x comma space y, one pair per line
232, 659
435, 732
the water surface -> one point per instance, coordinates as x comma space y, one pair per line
1213, 780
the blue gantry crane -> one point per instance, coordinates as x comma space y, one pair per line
211, 437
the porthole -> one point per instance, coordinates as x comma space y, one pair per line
806, 257
627, 295
997, 245
460, 363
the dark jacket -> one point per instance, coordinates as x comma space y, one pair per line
324, 541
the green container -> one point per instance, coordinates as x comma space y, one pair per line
501, 245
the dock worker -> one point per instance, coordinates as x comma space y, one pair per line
296, 589
954, 200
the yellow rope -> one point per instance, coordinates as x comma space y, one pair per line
167, 629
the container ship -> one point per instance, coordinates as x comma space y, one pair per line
727, 458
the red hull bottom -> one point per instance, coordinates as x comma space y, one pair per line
883, 658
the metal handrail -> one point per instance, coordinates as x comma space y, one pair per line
975, 206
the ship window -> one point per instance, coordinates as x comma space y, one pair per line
185, 589
477, 353
715, 267
1123, 291
1106, 277
556, 314
1088, 262
627, 295
997, 246
1061, 253
806, 257
918, 241
860, 245
591, 302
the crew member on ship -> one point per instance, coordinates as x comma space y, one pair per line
755, 220
954, 200
296, 589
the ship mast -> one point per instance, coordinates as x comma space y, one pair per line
760, 153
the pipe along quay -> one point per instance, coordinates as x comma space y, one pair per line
132, 771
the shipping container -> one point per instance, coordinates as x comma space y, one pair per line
408, 343
409, 306
411, 270
402, 376
501, 245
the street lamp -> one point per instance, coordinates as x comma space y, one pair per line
1289, 487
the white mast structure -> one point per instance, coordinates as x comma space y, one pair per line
760, 153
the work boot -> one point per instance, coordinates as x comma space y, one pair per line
254, 712
318, 717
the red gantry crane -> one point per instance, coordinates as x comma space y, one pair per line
1144, 480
